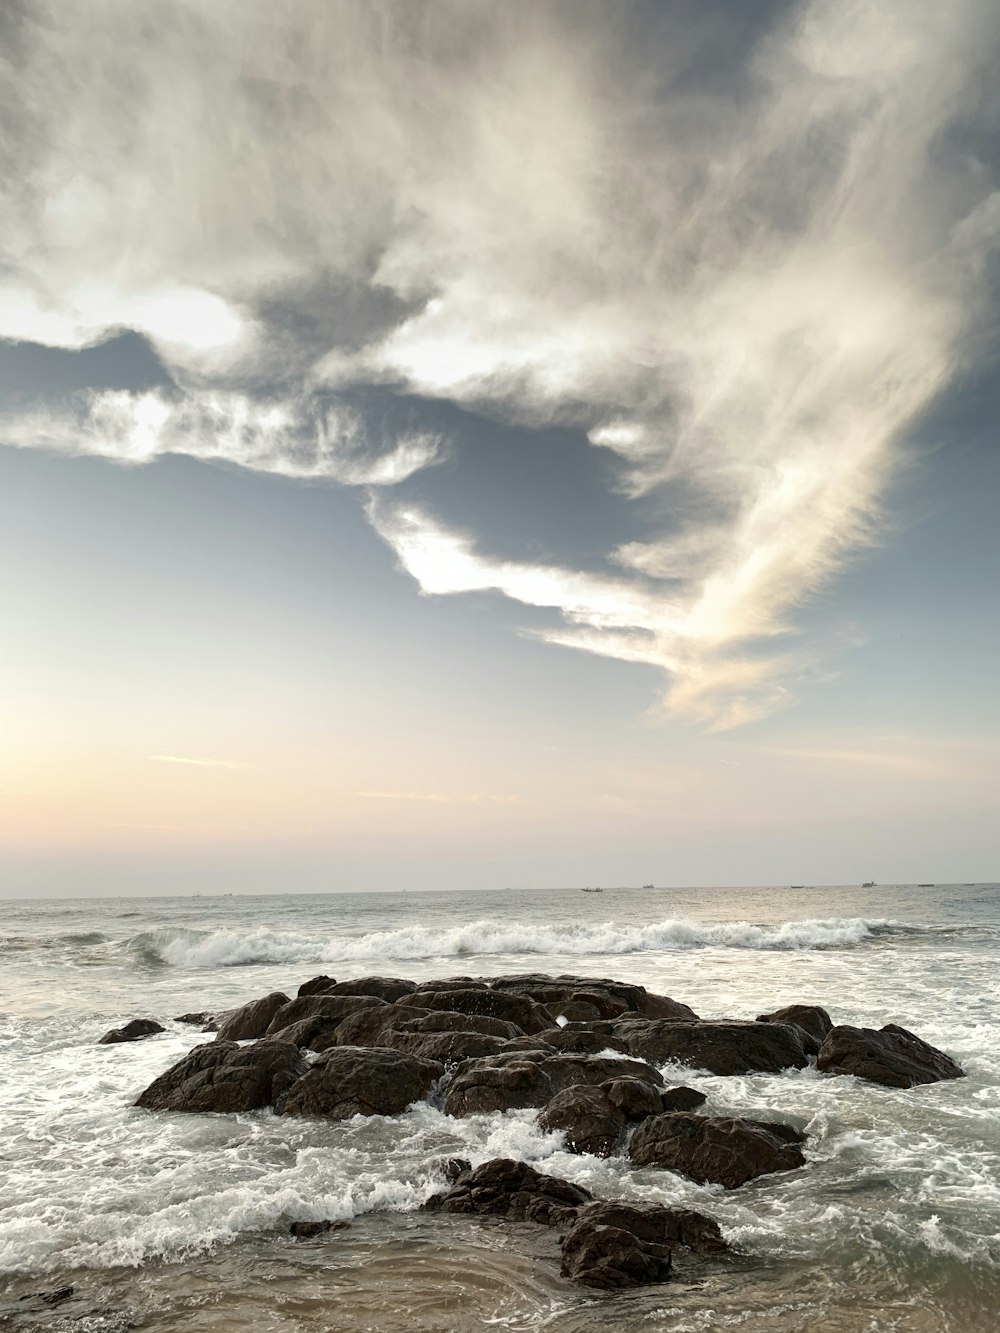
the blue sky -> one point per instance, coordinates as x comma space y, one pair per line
448, 450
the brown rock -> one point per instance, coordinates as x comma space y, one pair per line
518, 1009
891, 1056
612, 1246
506, 1188
810, 1017
352, 1080
586, 1117
134, 1030
316, 986
332, 1008
729, 1047
389, 989
251, 1020
222, 1076
716, 1149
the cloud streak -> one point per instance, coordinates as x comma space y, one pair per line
743, 289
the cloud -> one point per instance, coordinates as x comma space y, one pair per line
196, 763
441, 798
741, 261
290, 438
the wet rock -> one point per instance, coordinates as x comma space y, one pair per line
681, 1099
587, 1119
134, 1030
366, 1027
611, 1246
333, 1009
593, 1117
610, 998
891, 1056
716, 1149
576, 1010
55, 1296
452, 983
200, 1019
519, 1009
633, 1098
389, 989
309, 1230
353, 1080
517, 1079
251, 1020
506, 1188
499, 1083
449, 1167
448, 1020
535, 1044
318, 1033
809, 1017
729, 1047
449, 1048
584, 1038
222, 1076
316, 986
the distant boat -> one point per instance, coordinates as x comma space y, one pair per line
796, 886
591, 890
647, 886
926, 886
868, 884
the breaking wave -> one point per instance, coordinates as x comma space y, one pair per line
224, 948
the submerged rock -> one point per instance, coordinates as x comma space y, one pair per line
716, 1150
353, 1080
891, 1056
309, 1230
199, 1019
587, 1119
251, 1020
615, 1245
512, 1189
134, 1030
730, 1047
223, 1076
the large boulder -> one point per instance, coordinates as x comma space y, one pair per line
729, 1047
615, 1245
594, 1117
134, 1030
352, 1080
224, 1076
331, 1008
587, 1118
506, 1188
522, 1078
519, 1009
318, 1033
366, 1027
584, 1038
316, 985
811, 1018
449, 1047
251, 1020
716, 1150
891, 1056
610, 998
389, 989
447, 1020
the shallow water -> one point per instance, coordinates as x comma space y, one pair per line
171, 1221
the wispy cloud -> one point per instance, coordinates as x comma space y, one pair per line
288, 437
442, 798
196, 763
743, 295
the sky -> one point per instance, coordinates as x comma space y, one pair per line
465, 445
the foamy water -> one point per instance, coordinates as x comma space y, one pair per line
898, 1209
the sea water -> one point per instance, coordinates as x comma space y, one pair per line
166, 1221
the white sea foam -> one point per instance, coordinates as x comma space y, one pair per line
488, 937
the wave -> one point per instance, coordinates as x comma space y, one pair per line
188, 948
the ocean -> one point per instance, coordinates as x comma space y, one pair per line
167, 1222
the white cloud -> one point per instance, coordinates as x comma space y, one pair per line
196, 763
290, 438
745, 295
